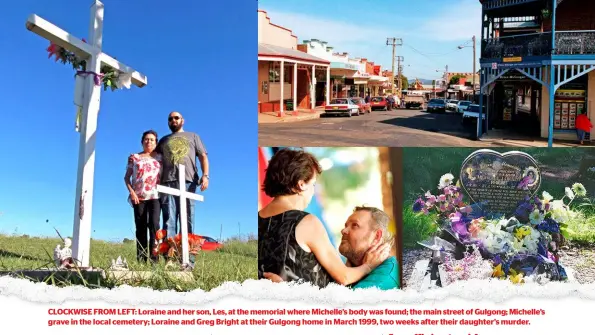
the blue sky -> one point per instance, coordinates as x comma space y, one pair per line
191, 69
431, 30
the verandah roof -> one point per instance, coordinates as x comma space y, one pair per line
268, 50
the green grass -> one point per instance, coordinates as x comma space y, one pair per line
424, 167
236, 261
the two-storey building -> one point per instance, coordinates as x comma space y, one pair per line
537, 62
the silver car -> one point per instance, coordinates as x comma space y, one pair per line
342, 106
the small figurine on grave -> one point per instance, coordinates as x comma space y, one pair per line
119, 264
63, 256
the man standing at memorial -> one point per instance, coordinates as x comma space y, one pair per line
181, 147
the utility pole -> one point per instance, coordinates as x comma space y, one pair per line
446, 83
474, 70
394, 42
399, 67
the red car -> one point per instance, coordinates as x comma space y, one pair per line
211, 244
364, 107
379, 103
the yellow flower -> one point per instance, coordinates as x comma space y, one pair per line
498, 273
516, 278
521, 232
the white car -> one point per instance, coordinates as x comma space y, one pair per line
452, 105
342, 106
471, 114
462, 106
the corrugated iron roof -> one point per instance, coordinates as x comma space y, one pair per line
277, 51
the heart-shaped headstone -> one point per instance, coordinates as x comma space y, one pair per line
498, 182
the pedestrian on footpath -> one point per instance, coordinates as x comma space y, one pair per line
367, 99
583, 126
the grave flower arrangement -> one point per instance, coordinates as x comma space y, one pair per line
172, 246
109, 77
521, 248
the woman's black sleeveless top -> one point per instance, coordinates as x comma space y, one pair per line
280, 253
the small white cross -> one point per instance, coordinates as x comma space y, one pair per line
183, 194
91, 98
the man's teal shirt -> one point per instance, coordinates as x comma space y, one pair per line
383, 277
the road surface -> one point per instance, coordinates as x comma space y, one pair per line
397, 128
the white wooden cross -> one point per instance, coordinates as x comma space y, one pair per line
183, 194
91, 97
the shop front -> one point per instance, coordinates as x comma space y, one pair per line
288, 79
376, 84
571, 100
358, 84
514, 104
339, 73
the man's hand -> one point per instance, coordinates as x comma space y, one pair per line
273, 277
204, 183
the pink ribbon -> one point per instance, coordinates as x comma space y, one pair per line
96, 78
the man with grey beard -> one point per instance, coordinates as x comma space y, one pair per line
365, 227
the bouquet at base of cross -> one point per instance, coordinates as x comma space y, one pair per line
472, 245
171, 247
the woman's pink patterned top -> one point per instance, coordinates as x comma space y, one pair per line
146, 172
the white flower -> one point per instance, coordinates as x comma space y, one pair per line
446, 180
547, 197
569, 193
536, 217
559, 211
579, 189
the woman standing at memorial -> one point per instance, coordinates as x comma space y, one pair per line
142, 177
294, 244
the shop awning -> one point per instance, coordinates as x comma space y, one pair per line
379, 79
268, 52
343, 66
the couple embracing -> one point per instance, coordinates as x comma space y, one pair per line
156, 165
294, 246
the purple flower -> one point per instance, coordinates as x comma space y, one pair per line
458, 223
418, 205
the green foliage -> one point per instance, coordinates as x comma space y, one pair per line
110, 75
237, 261
416, 227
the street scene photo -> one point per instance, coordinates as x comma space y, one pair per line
422, 75
520, 214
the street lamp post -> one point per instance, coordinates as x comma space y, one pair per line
474, 62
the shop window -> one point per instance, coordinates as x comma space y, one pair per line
274, 72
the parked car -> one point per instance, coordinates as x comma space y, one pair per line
437, 105
462, 106
342, 106
364, 107
414, 101
379, 103
471, 114
211, 244
452, 105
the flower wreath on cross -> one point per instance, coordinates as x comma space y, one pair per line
109, 77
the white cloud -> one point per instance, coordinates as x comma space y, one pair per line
333, 31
